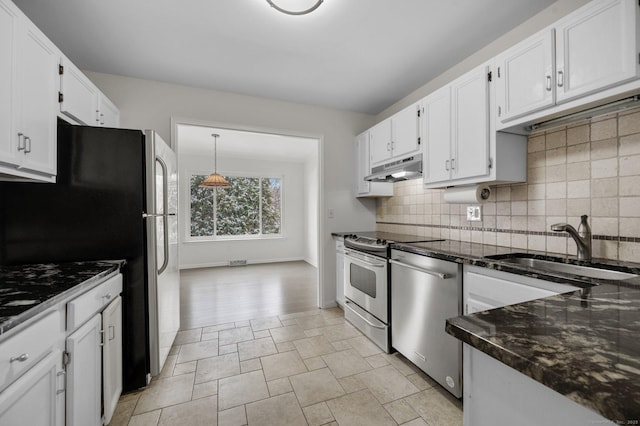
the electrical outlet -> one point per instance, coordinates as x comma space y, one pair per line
474, 213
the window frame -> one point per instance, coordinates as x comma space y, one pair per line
260, 236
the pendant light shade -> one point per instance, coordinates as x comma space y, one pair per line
214, 180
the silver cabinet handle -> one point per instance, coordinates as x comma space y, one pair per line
97, 116
21, 139
446, 165
499, 111
27, 142
453, 164
101, 118
560, 78
548, 82
389, 147
364, 319
19, 358
415, 268
108, 296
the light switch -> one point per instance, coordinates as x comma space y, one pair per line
332, 213
474, 213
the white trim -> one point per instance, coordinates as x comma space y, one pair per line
249, 262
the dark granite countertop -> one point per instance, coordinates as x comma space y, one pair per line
583, 344
27, 290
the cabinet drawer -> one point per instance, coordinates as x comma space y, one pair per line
28, 346
84, 307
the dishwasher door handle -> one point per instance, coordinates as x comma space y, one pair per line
415, 268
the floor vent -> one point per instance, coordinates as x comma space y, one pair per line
237, 262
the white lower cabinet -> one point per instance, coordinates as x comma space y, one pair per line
57, 371
37, 397
84, 374
111, 357
94, 347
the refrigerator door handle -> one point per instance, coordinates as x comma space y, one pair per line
165, 208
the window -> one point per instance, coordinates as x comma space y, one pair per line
252, 207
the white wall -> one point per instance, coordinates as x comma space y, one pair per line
151, 104
534, 24
291, 246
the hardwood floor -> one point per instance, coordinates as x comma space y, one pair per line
211, 296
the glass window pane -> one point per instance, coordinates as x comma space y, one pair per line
271, 202
238, 207
201, 208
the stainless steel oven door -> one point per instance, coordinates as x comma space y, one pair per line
365, 283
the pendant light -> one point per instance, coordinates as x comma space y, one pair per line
214, 180
311, 8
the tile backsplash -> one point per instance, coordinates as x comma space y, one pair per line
590, 167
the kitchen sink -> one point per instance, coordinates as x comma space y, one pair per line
557, 264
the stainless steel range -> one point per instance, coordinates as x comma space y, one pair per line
367, 283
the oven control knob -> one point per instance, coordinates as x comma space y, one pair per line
378, 241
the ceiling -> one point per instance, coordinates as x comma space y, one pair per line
197, 140
357, 55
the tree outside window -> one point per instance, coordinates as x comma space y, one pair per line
251, 207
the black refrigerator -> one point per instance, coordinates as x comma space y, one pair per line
115, 198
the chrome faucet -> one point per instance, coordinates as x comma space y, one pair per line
582, 236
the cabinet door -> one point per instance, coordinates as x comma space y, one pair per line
437, 136
36, 398
79, 95
380, 142
524, 77
84, 374
109, 113
596, 48
362, 163
38, 100
405, 131
112, 357
9, 19
470, 109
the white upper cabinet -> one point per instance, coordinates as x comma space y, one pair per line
457, 129
596, 47
82, 102
397, 136
78, 95
9, 22
470, 107
380, 142
524, 77
437, 144
36, 100
572, 63
461, 145
363, 169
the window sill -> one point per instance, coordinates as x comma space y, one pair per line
235, 238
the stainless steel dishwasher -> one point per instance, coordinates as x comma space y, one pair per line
424, 293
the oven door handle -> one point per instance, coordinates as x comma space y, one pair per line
353, 256
415, 268
362, 317
366, 246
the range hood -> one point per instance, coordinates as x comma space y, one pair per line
405, 169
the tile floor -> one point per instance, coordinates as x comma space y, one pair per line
309, 368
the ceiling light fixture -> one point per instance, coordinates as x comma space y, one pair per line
314, 4
214, 180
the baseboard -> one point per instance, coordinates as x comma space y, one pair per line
249, 262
